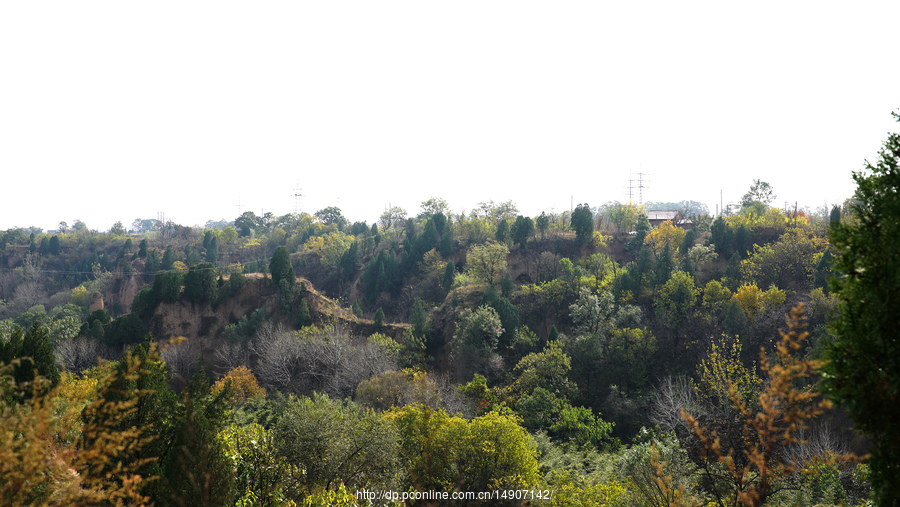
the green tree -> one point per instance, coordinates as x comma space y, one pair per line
664, 265
419, 318
445, 244
823, 271
196, 470
200, 283
34, 351
678, 296
246, 223
487, 262
260, 472
142, 249
125, 330
444, 453
721, 235
212, 250
863, 372
521, 230
835, 216
476, 338
349, 259
542, 223
191, 256
502, 233
117, 229
769, 418
787, 263
331, 216
623, 217
734, 320
690, 237
392, 218
548, 369
303, 316
378, 321
760, 191
152, 264
168, 259
732, 273
742, 241
336, 442
54, 245
139, 382
167, 286
434, 206
507, 286
582, 223
449, 274
280, 266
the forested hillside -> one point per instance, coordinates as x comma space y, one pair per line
579, 358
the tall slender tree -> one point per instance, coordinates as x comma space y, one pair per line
280, 267
863, 372
583, 223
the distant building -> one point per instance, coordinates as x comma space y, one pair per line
656, 217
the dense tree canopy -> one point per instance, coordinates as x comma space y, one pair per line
864, 368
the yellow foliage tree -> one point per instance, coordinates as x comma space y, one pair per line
39, 464
715, 295
244, 385
771, 218
773, 419
397, 388
664, 233
80, 296
788, 262
721, 370
753, 300
448, 453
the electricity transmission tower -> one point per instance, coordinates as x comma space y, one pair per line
637, 186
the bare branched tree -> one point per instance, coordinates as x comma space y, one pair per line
78, 354
317, 359
229, 356
672, 396
182, 357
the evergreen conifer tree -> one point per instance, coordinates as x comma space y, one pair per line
863, 371
280, 267
378, 321
449, 273
664, 265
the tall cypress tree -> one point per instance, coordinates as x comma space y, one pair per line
449, 273
664, 265
34, 352
168, 259
54, 245
212, 250
583, 223
862, 374
280, 267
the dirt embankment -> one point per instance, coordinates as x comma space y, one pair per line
205, 323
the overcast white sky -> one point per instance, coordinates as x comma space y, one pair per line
119, 110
